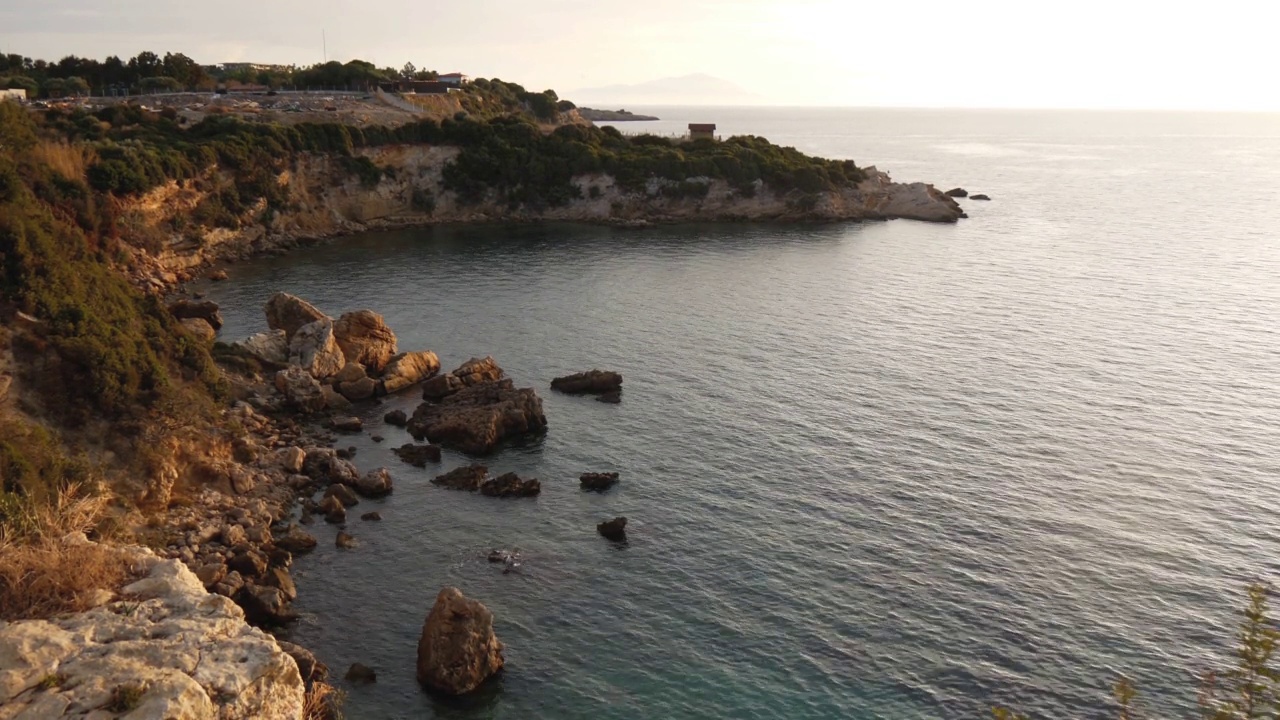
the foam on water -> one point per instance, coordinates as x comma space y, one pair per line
890, 470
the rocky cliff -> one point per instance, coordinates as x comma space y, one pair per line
324, 200
165, 648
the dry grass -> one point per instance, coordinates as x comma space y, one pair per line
324, 702
40, 574
68, 160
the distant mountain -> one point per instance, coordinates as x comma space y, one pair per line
696, 89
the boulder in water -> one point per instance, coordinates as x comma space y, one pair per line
979, 196
598, 481
314, 349
592, 382
418, 455
511, 485
615, 529
463, 478
476, 419
398, 418
408, 369
458, 650
375, 483
957, 193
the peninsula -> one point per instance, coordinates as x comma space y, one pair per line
613, 115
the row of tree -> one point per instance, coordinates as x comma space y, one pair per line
149, 72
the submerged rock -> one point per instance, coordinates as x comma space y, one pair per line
592, 382
979, 196
612, 397
511, 485
374, 516
362, 674
345, 540
598, 481
289, 313
396, 418
458, 650
476, 419
468, 477
615, 529
418, 455
365, 338
957, 193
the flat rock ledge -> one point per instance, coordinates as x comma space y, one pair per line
173, 649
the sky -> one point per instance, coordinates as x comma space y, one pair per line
1125, 54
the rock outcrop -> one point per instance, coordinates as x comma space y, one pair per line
979, 196
473, 371
396, 418
314, 348
598, 481
408, 369
206, 310
174, 649
957, 193
375, 483
479, 417
511, 485
365, 338
289, 313
200, 329
458, 650
592, 382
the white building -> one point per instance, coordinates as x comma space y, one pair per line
455, 78
19, 94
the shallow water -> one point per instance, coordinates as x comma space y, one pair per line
890, 470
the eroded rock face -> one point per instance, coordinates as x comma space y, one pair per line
289, 313
408, 369
592, 382
365, 338
511, 485
314, 349
458, 650
476, 419
206, 310
464, 478
190, 650
301, 390
471, 372
272, 346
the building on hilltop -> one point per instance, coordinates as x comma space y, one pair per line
255, 67
455, 78
18, 94
702, 131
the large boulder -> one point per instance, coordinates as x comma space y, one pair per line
365, 338
592, 382
358, 390
511, 485
957, 193
615, 529
272, 346
458, 650
408, 369
289, 313
315, 349
206, 310
463, 478
476, 419
325, 467
471, 372
301, 391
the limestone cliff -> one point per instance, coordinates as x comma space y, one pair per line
325, 200
166, 649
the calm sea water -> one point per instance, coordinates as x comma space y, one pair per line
892, 470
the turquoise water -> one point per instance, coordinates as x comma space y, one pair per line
890, 470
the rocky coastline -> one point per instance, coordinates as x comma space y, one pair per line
595, 115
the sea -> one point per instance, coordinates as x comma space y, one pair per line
870, 470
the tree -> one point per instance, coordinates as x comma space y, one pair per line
408, 71
145, 64
183, 69
160, 83
76, 86
24, 83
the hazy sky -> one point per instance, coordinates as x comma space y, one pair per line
965, 53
